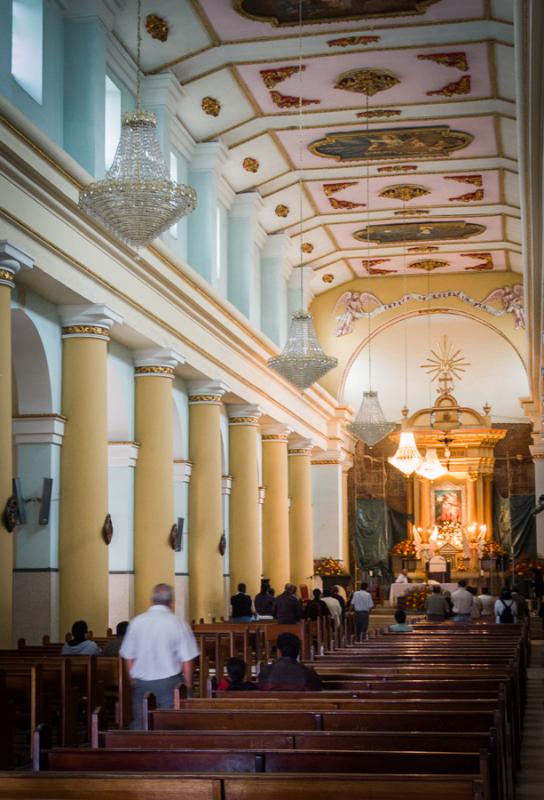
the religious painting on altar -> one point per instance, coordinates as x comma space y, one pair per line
448, 505
435, 141
286, 12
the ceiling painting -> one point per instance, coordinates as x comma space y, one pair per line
291, 12
429, 231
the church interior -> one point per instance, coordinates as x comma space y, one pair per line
271, 310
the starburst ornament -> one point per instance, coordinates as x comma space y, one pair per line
445, 365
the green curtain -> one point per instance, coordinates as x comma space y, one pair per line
514, 524
373, 537
398, 524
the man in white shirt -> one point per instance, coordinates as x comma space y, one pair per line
158, 647
487, 602
362, 604
462, 603
402, 577
335, 609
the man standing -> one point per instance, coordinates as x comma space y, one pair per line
240, 604
287, 607
158, 647
362, 604
462, 603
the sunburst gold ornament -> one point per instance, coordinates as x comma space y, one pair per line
444, 364
366, 81
404, 192
136, 200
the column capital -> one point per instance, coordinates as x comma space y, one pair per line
537, 450
240, 414
209, 156
156, 362
278, 246
182, 471
12, 258
122, 454
300, 447
38, 429
206, 392
328, 457
91, 321
275, 432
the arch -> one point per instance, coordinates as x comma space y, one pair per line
30, 366
419, 313
496, 372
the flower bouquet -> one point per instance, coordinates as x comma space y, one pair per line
527, 567
414, 600
404, 549
493, 550
328, 566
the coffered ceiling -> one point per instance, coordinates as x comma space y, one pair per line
408, 152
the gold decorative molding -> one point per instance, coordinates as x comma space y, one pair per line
456, 60
40, 416
281, 210
271, 77
366, 81
300, 451
462, 86
327, 461
154, 370
243, 420
307, 247
328, 278
379, 112
214, 399
428, 248
210, 106
347, 41
411, 212
404, 192
274, 437
7, 275
157, 27
399, 168
331, 188
428, 264
86, 330
250, 164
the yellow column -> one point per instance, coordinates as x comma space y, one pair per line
300, 512
480, 504
346, 549
471, 498
154, 478
275, 508
83, 553
424, 503
244, 544
205, 503
11, 259
488, 504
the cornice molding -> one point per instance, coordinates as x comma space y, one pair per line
38, 429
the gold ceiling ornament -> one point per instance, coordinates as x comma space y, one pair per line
411, 212
281, 210
272, 77
328, 278
462, 86
346, 41
473, 180
398, 168
366, 81
429, 264
468, 197
444, 364
211, 106
379, 112
307, 247
291, 100
157, 27
423, 249
454, 60
404, 192
346, 205
486, 262
332, 188
250, 164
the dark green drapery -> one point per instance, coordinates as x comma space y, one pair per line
373, 538
514, 524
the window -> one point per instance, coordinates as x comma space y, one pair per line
174, 177
113, 120
27, 46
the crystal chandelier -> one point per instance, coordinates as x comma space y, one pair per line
407, 458
302, 361
370, 425
431, 468
136, 200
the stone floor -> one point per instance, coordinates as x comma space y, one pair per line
530, 781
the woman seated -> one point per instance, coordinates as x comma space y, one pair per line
236, 670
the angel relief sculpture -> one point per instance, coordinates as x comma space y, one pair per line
511, 299
356, 305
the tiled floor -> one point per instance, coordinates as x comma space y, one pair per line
530, 783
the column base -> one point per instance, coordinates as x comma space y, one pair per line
36, 605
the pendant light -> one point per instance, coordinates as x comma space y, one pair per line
302, 361
407, 458
136, 200
370, 424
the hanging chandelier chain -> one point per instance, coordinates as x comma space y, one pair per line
300, 155
138, 56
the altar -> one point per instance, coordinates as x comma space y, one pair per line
400, 589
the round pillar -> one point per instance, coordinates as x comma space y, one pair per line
488, 505
276, 556
11, 260
83, 553
346, 549
471, 498
244, 544
154, 478
300, 512
205, 503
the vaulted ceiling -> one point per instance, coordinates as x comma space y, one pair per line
408, 151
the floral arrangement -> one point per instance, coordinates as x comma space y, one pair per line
415, 600
450, 532
493, 550
526, 567
404, 549
328, 566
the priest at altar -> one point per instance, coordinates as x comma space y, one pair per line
402, 577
